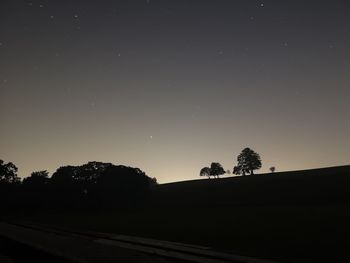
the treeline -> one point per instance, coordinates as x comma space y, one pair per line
92, 185
247, 161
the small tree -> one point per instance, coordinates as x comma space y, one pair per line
248, 161
216, 169
228, 172
8, 172
236, 170
153, 182
205, 171
272, 169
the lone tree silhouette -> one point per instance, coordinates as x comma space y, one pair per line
216, 169
272, 169
248, 161
205, 171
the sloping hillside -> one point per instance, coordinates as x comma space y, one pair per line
316, 186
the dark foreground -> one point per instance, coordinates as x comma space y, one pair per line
290, 234
27, 242
30, 244
291, 217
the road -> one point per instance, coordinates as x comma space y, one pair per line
20, 244
27, 242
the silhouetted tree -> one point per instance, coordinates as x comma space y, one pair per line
37, 179
8, 173
272, 169
228, 172
216, 169
9, 186
121, 186
236, 170
66, 189
154, 181
94, 184
248, 161
36, 190
101, 184
205, 171
65, 175
89, 173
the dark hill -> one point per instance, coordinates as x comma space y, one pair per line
306, 187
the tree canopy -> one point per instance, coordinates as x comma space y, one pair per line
91, 185
248, 161
205, 171
102, 183
216, 169
39, 178
8, 172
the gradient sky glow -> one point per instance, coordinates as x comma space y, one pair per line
170, 86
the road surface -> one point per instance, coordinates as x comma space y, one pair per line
26, 242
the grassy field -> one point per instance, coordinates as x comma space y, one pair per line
296, 217
309, 187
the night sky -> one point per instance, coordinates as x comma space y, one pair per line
171, 86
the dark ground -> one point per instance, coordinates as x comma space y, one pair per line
295, 217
